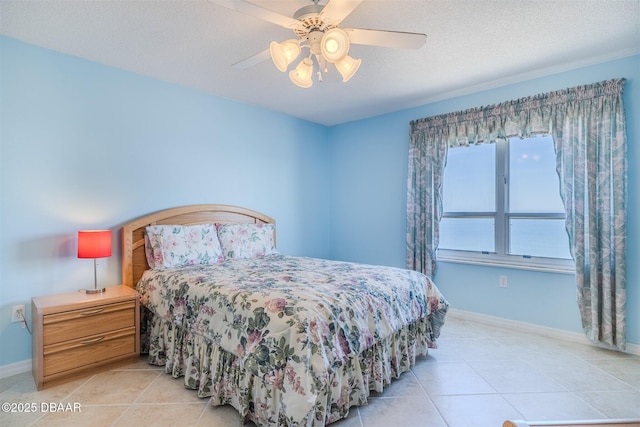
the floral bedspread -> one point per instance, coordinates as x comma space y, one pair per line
293, 320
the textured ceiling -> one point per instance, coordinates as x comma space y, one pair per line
471, 45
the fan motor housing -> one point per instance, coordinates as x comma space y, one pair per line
310, 20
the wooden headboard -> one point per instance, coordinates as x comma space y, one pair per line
134, 261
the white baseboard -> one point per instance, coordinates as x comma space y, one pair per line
531, 328
15, 368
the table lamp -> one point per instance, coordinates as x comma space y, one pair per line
94, 244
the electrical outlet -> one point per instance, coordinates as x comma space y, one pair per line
503, 281
18, 313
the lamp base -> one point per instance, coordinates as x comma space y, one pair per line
95, 291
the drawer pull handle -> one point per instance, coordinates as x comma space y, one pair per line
93, 341
92, 312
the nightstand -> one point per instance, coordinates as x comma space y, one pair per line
76, 334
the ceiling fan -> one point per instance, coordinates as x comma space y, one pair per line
317, 29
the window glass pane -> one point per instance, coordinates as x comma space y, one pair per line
539, 237
467, 234
470, 179
534, 185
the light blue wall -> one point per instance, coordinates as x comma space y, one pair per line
368, 161
89, 146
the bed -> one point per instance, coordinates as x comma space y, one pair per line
287, 341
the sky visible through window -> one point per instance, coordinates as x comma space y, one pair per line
534, 184
470, 179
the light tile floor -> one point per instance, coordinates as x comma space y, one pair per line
478, 377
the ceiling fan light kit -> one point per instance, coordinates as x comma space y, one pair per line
317, 29
327, 44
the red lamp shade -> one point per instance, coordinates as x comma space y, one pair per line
94, 243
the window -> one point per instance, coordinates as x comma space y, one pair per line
502, 206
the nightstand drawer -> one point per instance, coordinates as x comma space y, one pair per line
84, 352
88, 321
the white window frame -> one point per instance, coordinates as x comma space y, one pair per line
500, 258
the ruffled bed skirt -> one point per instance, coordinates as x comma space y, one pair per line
218, 375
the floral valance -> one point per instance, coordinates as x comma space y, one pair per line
524, 117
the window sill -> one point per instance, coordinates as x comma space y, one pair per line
547, 265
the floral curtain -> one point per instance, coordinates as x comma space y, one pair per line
588, 127
427, 158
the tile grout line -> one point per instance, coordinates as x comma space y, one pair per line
424, 390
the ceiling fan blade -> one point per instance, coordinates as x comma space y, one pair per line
253, 60
396, 39
336, 10
258, 12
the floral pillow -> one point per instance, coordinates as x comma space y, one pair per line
172, 246
246, 240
